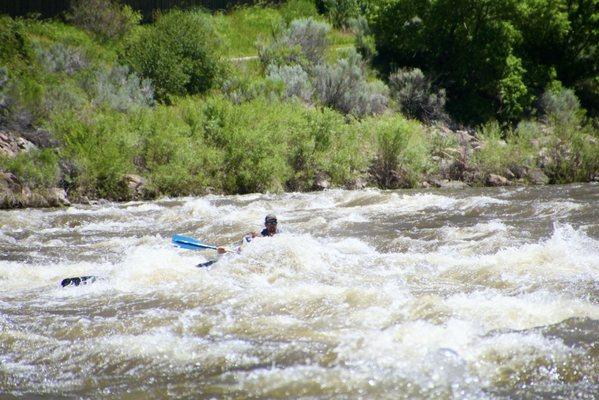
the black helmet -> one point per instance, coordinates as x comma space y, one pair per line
270, 218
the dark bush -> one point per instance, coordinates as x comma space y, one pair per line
179, 53
415, 96
365, 43
106, 19
340, 12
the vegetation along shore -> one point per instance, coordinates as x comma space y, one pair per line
295, 96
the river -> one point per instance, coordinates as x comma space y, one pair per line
478, 293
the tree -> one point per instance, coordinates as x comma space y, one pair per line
494, 57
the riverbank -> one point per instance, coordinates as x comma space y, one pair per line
458, 160
84, 117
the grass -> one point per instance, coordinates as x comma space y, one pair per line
243, 26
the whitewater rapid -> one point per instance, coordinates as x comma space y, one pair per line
477, 293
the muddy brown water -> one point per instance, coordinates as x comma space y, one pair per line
478, 293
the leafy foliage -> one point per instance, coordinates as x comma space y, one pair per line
296, 9
364, 42
102, 148
35, 168
493, 57
179, 53
340, 12
402, 153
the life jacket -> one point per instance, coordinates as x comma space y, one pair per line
265, 232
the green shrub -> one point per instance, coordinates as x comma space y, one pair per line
340, 147
252, 138
241, 89
101, 146
310, 144
402, 152
341, 12
4, 97
575, 159
35, 168
106, 19
173, 153
502, 152
415, 96
179, 53
26, 101
15, 46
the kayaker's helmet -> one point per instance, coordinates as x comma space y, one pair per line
270, 219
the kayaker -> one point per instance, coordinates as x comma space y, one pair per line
270, 229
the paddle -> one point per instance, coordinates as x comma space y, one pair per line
185, 242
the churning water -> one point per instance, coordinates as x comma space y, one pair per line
481, 293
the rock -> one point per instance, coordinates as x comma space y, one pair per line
24, 144
135, 185
357, 184
57, 197
9, 181
447, 184
509, 174
518, 171
40, 138
8, 145
537, 177
11, 145
464, 137
322, 182
497, 180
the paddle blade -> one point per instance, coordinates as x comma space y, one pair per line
79, 280
186, 242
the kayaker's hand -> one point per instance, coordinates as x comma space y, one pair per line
221, 250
